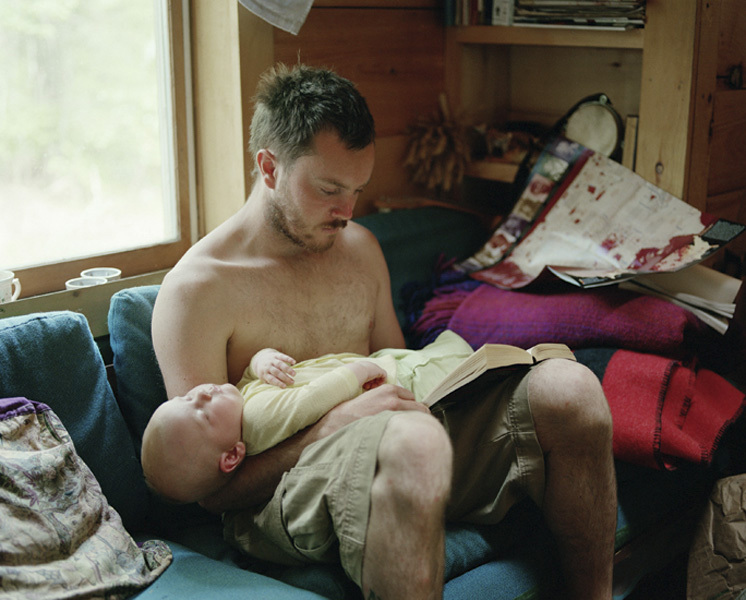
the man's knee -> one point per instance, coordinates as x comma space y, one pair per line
415, 457
567, 395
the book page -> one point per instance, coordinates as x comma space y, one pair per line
715, 289
488, 356
494, 356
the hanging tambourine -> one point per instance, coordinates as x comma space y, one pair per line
594, 123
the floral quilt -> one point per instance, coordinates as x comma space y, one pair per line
59, 538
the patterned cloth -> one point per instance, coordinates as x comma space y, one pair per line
59, 537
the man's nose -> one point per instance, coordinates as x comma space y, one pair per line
345, 208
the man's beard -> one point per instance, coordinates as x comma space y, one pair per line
287, 225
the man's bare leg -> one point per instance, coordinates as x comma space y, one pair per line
573, 423
404, 550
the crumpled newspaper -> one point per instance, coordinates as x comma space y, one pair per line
717, 557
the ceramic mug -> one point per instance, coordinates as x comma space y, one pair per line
108, 273
80, 282
10, 287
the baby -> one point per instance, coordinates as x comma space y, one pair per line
194, 443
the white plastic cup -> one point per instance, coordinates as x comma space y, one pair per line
10, 287
108, 273
77, 283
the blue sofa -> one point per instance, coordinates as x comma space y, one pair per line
52, 358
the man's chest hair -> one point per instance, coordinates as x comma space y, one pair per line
308, 316
325, 306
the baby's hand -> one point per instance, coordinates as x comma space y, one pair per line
273, 367
369, 374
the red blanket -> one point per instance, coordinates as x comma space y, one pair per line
666, 412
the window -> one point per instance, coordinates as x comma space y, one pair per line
94, 148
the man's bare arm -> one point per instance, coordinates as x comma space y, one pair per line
386, 332
189, 337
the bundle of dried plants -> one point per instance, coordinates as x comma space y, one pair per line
438, 151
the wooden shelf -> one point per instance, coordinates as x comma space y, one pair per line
399, 4
547, 36
493, 170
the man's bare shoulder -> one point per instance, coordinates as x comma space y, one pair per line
361, 234
360, 241
192, 278
208, 266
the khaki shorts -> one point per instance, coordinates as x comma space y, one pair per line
319, 512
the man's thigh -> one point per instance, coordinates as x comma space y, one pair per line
497, 457
319, 512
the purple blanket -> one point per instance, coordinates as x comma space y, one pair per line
600, 317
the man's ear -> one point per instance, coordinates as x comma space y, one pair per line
230, 459
267, 163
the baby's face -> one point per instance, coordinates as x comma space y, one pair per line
212, 412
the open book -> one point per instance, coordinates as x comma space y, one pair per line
494, 356
591, 221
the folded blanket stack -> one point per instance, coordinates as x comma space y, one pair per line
644, 349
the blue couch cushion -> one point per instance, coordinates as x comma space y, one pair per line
52, 358
140, 390
193, 575
140, 387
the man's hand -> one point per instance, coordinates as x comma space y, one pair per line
273, 367
384, 397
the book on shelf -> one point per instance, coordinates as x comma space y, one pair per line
591, 221
502, 12
490, 357
590, 13
605, 14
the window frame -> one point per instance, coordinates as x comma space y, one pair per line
51, 277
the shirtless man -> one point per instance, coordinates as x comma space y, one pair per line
290, 270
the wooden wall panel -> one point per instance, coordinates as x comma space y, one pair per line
390, 178
728, 143
732, 38
378, 3
704, 83
665, 98
256, 47
544, 85
480, 93
218, 113
395, 57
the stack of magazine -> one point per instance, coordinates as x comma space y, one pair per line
624, 14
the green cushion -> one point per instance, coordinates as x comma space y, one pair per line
412, 241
